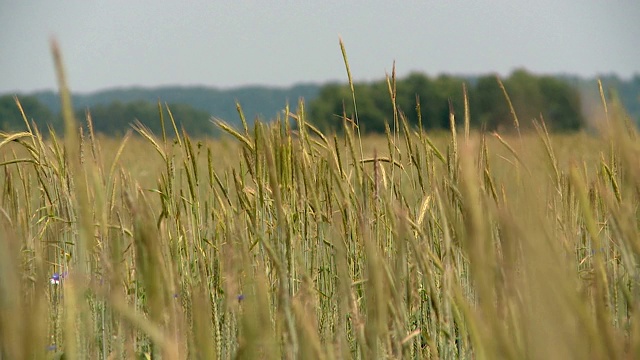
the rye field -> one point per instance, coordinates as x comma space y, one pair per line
278, 241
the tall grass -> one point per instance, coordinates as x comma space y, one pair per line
290, 243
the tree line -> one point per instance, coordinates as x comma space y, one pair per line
263, 101
111, 119
419, 98
429, 101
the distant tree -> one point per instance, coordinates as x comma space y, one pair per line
117, 117
562, 106
327, 110
448, 90
375, 105
371, 107
490, 107
629, 94
527, 99
417, 87
530, 95
335, 101
11, 118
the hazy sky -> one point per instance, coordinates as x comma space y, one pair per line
231, 43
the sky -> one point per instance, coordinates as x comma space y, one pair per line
226, 44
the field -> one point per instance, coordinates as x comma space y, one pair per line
280, 242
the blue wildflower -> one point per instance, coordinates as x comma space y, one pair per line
55, 279
240, 297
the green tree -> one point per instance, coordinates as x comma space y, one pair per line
327, 109
526, 97
11, 118
562, 106
530, 95
490, 107
448, 90
117, 117
417, 88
